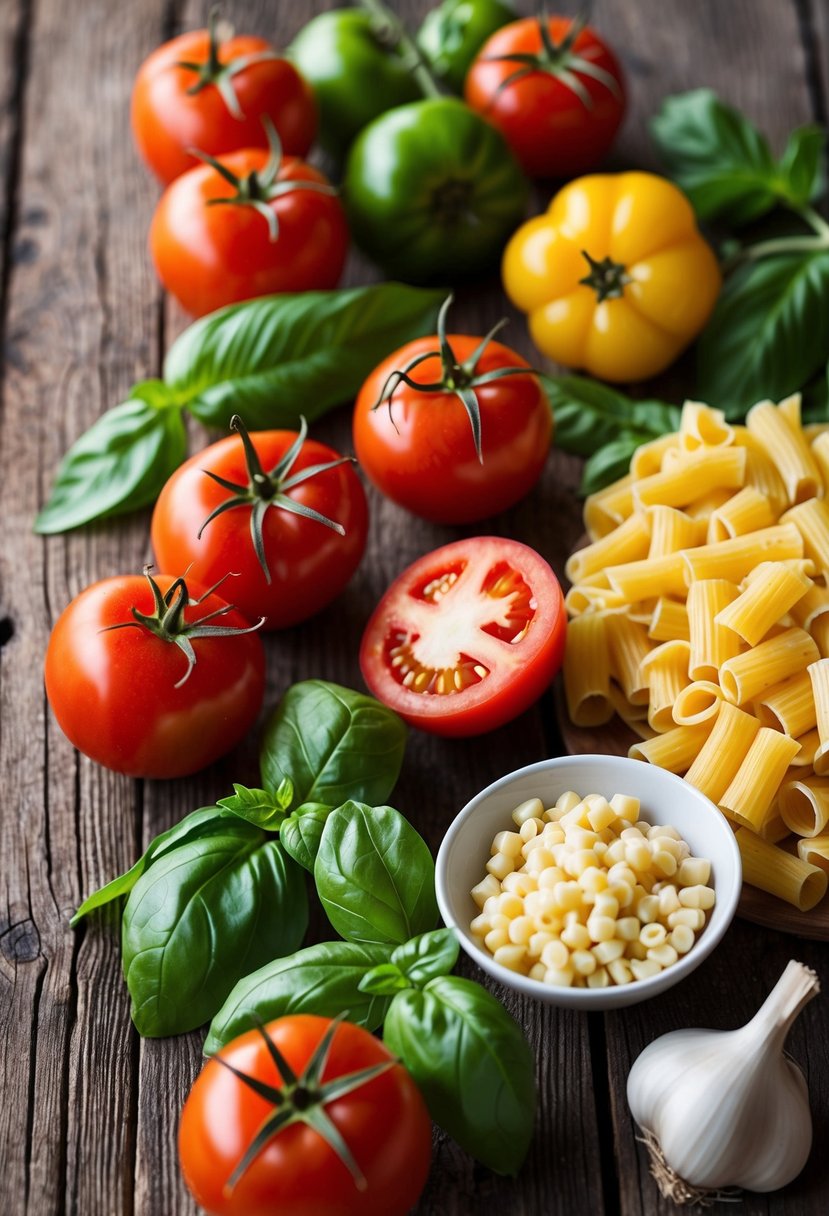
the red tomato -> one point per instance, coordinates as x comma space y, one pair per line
123, 696
308, 562
169, 117
208, 256
419, 448
466, 638
383, 1122
561, 116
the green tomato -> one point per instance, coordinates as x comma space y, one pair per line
351, 61
433, 192
452, 34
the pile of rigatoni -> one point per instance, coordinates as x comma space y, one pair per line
700, 614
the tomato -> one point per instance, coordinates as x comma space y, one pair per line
283, 230
124, 690
554, 90
351, 59
296, 1170
466, 638
432, 191
416, 441
616, 277
199, 92
453, 33
293, 536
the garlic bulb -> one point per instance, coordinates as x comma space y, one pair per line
725, 1109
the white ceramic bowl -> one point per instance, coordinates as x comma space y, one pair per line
665, 799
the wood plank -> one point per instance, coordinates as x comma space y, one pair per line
81, 326
751, 53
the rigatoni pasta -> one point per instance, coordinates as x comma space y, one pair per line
719, 632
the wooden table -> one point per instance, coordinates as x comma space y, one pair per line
89, 1111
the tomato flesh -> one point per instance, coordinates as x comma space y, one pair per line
466, 638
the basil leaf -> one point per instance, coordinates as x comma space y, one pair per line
334, 744
301, 833
258, 806
199, 823
375, 875
321, 979
610, 462
201, 917
384, 980
119, 464
428, 956
800, 164
768, 334
276, 357
720, 160
589, 415
470, 1060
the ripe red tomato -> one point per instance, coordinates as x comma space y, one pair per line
308, 562
419, 447
209, 255
383, 1122
123, 696
214, 104
466, 638
560, 114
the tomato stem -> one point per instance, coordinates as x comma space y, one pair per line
213, 72
558, 59
405, 46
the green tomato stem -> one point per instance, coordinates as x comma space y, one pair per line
406, 46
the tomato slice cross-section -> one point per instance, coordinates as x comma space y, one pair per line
467, 637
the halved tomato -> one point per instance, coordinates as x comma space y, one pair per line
466, 638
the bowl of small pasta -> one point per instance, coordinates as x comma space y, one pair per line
592, 882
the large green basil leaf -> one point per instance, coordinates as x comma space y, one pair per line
321, 979
375, 876
725, 165
428, 956
201, 917
277, 357
589, 415
473, 1065
260, 807
769, 332
301, 833
120, 463
610, 462
199, 823
333, 744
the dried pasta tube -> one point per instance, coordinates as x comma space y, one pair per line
648, 457
747, 675
774, 828
669, 621
749, 798
705, 506
696, 473
675, 750
629, 645
819, 675
666, 671
812, 605
772, 590
820, 451
734, 559
783, 441
815, 851
697, 702
819, 630
607, 508
587, 670
746, 511
804, 805
723, 752
809, 743
650, 578
702, 426
777, 872
761, 472
711, 643
672, 530
789, 707
626, 710
627, 543
812, 522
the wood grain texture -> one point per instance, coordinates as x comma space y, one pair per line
89, 1114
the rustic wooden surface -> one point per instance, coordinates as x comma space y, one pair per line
89, 1112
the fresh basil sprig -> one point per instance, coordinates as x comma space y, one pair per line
270, 359
333, 744
599, 422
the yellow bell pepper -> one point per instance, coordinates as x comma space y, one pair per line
616, 277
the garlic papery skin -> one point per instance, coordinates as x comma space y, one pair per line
724, 1109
